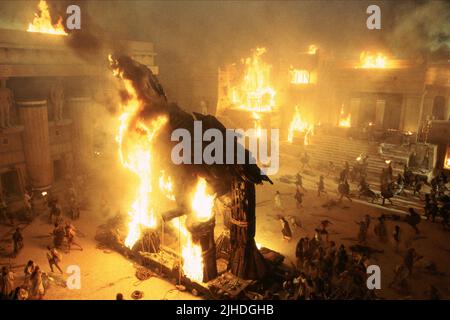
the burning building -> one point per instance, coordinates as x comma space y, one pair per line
374, 92
50, 100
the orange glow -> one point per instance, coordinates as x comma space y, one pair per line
202, 210
299, 76
42, 22
299, 125
312, 49
369, 60
166, 186
254, 92
257, 124
345, 121
202, 203
134, 139
447, 160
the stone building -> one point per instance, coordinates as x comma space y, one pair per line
48, 132
398, 98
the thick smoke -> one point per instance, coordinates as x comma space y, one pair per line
422, 28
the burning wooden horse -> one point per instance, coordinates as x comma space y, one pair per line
150, 106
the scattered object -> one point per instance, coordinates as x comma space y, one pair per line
136, 295
144, 273
180, 287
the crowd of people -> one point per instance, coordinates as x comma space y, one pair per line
35, 280
325, 270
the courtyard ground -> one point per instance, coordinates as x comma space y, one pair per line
105, 273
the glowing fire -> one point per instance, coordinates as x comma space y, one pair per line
255, 92
299, 76
312, 49
372, 61
202, 210
257, 124
202, 203
166, 186
345, 121
299, 125
42, 21
135, 152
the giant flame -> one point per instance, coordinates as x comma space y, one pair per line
42, 21
254, 92
135, 139
202, 209
298, 124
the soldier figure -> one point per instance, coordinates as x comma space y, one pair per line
362, 234
298, 198
18, 241
299, 181
277, 200
6, 283
380, 229
321, 186
70, 235
54, 258
6, 103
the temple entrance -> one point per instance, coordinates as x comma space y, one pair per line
383, 110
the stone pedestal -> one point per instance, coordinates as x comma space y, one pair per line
36, 143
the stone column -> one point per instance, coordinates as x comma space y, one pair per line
411, 112
36, 143
379, 112
82, 131
355, 109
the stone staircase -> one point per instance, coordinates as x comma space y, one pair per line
325, 148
